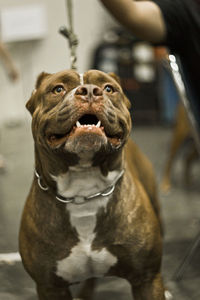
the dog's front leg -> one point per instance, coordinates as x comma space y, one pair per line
151, 290
53, 293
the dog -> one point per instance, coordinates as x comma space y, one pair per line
181, 134
92, 210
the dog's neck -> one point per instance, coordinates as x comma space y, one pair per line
85, 182
66, 174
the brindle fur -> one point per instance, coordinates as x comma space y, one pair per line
130, 226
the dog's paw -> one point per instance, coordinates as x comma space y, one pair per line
168, 295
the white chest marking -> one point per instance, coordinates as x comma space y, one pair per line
83, 262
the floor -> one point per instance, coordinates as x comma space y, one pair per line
180, 209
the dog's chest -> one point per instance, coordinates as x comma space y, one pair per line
84, 262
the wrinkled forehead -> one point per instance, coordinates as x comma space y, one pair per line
72, 77
97, 77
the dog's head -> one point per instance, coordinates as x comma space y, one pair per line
84, 115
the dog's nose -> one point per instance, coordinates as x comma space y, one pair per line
89, 92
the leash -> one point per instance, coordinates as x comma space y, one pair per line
81, 199
70, 35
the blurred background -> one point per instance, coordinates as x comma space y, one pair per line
31, 44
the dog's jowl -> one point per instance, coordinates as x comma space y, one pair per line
92, 210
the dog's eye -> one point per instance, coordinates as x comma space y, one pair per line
58, 89
109, 89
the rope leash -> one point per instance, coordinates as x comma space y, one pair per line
70, 35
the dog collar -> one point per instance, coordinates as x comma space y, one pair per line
81, 199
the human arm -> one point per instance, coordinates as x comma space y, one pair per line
7, 60
143, 18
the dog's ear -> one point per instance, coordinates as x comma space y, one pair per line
40, 78
31, 104
113, 75
128, 102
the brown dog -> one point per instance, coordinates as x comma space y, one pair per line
181, 133
92, 209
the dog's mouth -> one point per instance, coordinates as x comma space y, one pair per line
88, 120
86, 124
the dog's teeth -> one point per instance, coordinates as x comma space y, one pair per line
98, 124
78, 124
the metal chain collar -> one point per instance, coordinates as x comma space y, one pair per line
81, 199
